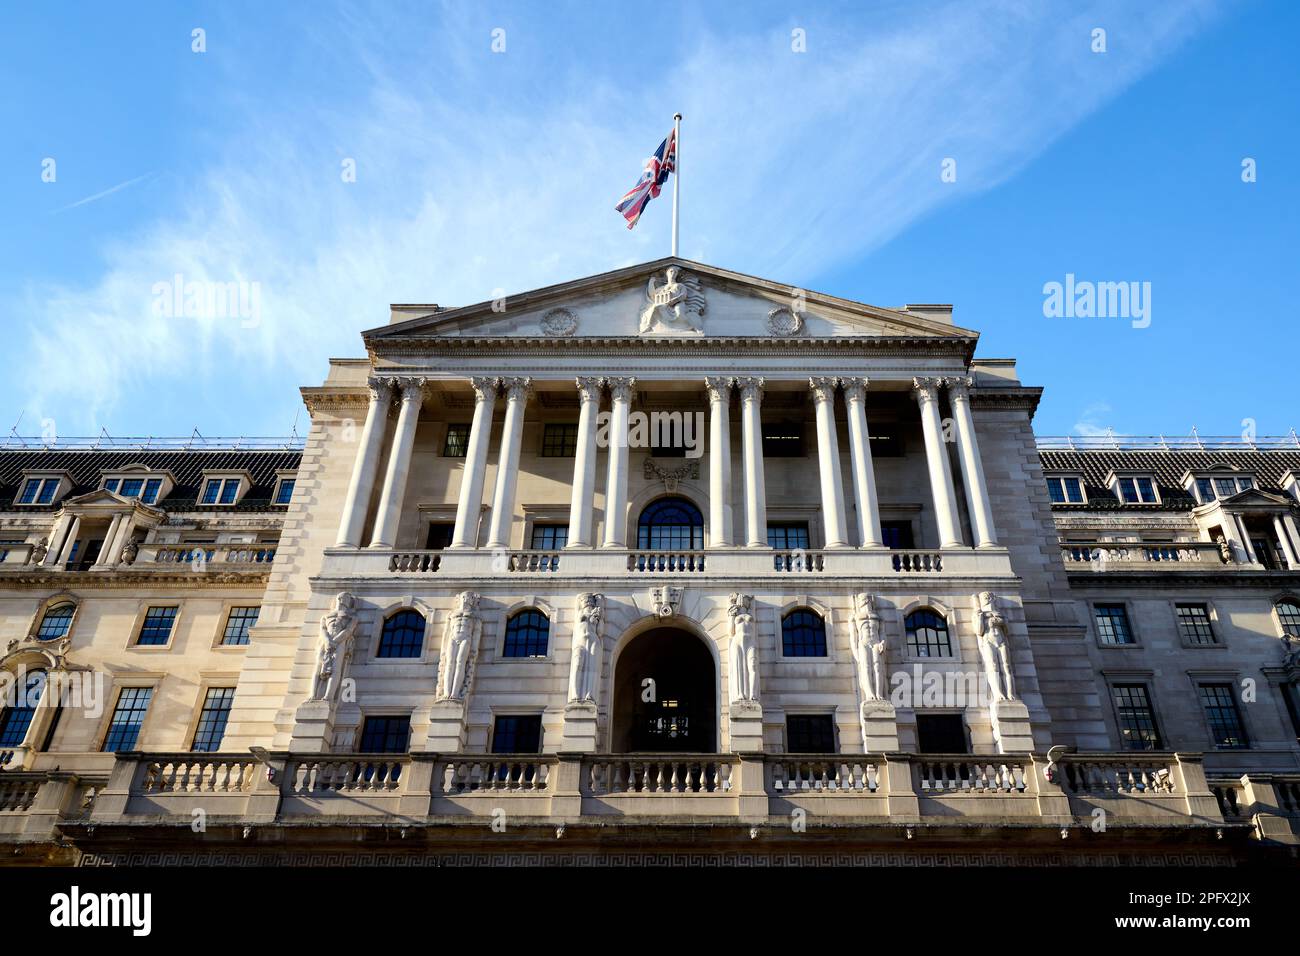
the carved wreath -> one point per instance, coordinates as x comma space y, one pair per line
559, 322
671, 476
784, 321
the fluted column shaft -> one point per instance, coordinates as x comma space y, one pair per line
106, 557
620, 395
828, 460
503, 500
972, 467
65, 553
864, 474
936, 457
721, 534
57, 534
751, 399
364, 469
469, 504
584, 464
399, 466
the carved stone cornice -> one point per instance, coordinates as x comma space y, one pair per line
334, 399
38, 577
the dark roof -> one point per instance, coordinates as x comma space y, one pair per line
87, 467
1168, 467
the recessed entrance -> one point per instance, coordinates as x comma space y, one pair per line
680, 715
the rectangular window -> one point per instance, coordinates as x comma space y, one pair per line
787, 535
517, 734
284, 492
49, 488
111, 484
210, 492
897, 535
157, 627
1112, 624
131, 487
549, 537
212, 719
229, 491
151, 489
456, 443
941, 734
1137, 721
1226, 487
386, 735
810, 734
238, 623
1137, 491
1194, 623
1204, 490
439, 536
1226, 729
128, 715
1065, 491
783, 440
30, 489
560, 440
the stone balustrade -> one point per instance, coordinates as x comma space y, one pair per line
895, 789
1100, 556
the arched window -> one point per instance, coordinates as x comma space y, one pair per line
16, 719
56, 622
803, 634
527, 634
927, 634
1288, 615
403, 635
670, 524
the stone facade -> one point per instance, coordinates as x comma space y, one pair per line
837, 590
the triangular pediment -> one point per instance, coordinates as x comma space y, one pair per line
669, 297
1253, 496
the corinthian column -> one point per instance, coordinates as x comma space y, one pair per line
399, 465
584, 463
972, 468
620, 394
864, 471
469, 505
503, 501
828, 460
366, 466
936, 457
720, 529
751, 400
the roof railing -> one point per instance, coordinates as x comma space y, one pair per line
195, 442
1192, 442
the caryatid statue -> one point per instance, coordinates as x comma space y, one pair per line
869, 647
588, 649
995, 647
459, 647
337, 627
742, 655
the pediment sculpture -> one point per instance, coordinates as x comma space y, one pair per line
674, 307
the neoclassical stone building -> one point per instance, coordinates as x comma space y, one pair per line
665, 562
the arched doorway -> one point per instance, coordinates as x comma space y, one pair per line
681, 717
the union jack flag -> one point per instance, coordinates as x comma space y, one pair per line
655, 174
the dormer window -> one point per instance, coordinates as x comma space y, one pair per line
1209, 487
146, 489
220, 491
1134, 488
39, 490
284, 483
1291, 484
1066, 489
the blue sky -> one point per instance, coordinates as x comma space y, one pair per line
479, 171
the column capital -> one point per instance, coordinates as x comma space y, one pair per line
485, 388
589, 387
823, 388
412, 387
620, 389
927, 387
959, 389
751, 388
719, 387
855, 388
517, 389
381, 388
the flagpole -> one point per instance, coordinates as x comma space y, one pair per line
677, 174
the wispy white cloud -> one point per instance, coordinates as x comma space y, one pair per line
1091, 423
793, 163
